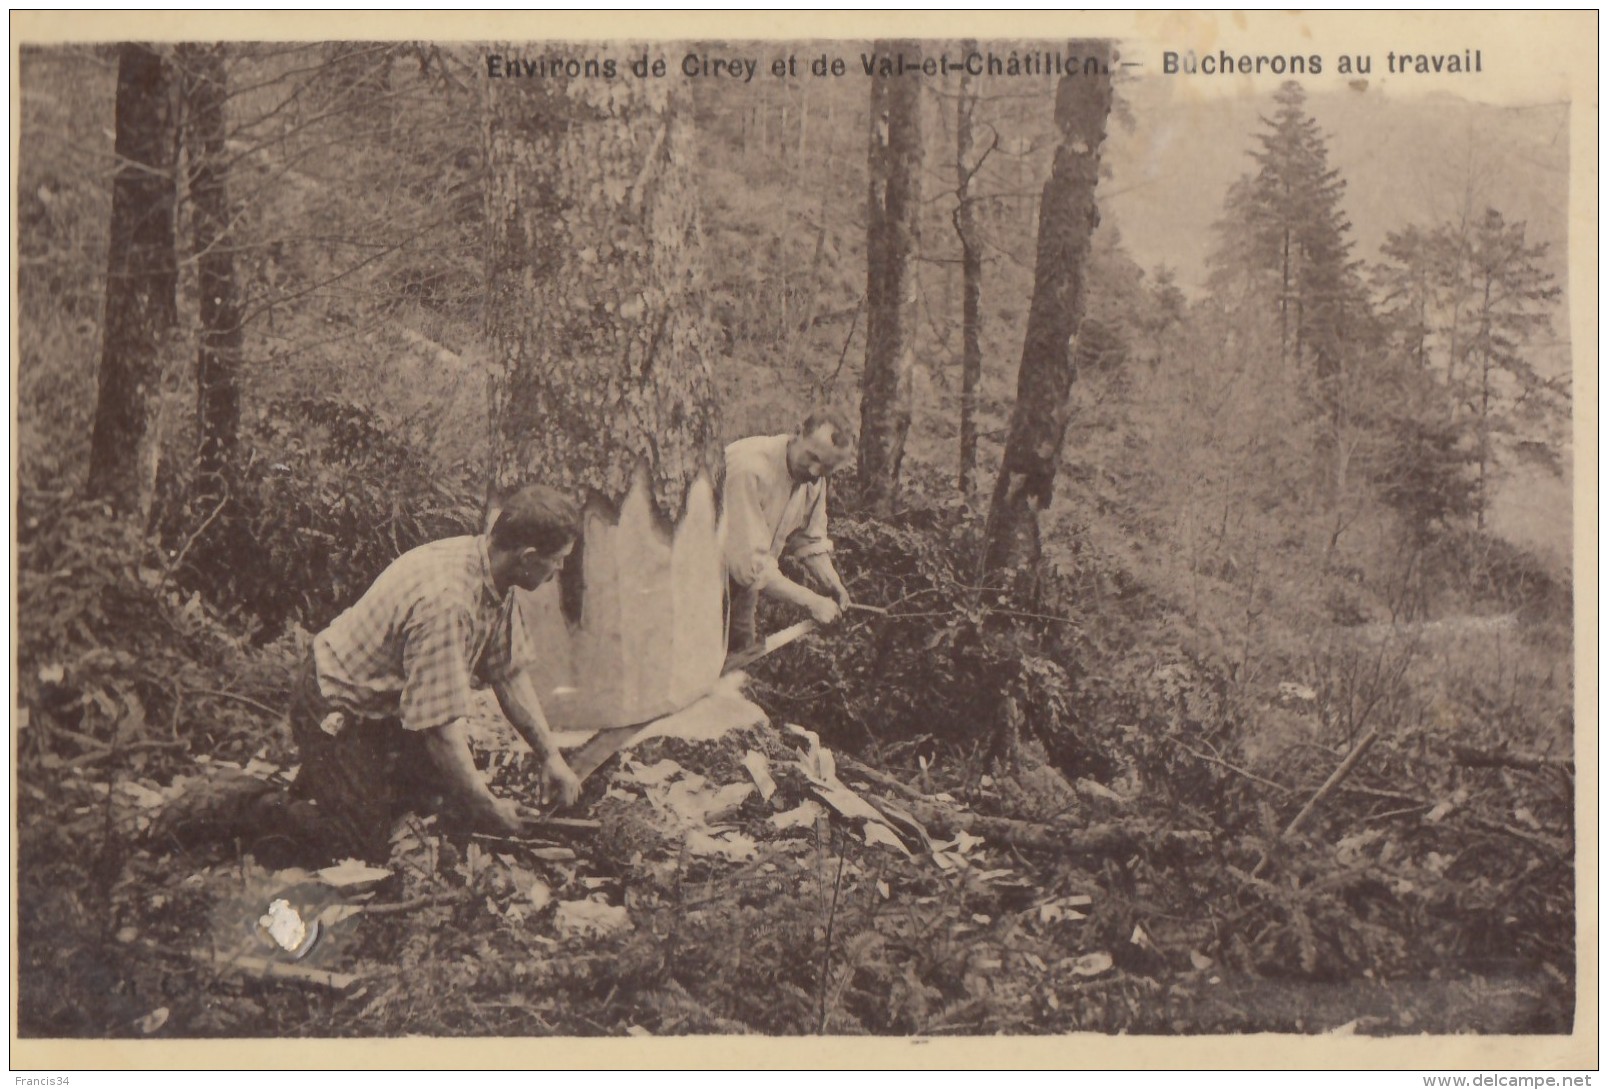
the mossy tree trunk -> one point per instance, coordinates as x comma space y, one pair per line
600, 385
892, 237
141, 284
1067, 219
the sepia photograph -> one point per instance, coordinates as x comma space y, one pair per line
885, 534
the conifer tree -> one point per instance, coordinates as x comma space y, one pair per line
1284, 251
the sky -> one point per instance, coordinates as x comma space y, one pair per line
1404, 161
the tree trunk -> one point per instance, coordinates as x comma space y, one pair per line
601, 387
221, 335
971, 278
892, 234
141, 285
1067, 218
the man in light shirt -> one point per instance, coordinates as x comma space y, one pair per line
775, 503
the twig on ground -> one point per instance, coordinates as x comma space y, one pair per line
1336, 778
189, 542
246, 701
881, 779
1181, 744
826, 960
429, 900
101, 754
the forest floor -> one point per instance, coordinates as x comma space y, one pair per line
682, 900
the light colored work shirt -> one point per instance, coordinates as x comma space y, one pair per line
767, 514
430, 629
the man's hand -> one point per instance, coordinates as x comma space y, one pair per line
824, 610
497, 816
840, 593
560, 783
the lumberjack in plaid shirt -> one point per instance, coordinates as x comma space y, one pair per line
379, 715
412, 647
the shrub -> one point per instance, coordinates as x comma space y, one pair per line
327, 494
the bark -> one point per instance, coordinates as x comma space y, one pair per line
594, 308
971, 276
601, 387
141, 285
221, 334
1067, 218
892, 235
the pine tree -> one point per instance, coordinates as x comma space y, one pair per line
1512, 296
1284, 250
1466, 300
1283, 228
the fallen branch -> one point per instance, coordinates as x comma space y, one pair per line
278, 970
1518, 834
88, 741
882, 779
1414, 804
1470, 757
245, 701
1193, 752
429, 900
1111, 839
131, 747
1336, 778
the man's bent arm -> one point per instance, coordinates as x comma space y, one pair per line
821, 567
517, 698
448, 746
793, 593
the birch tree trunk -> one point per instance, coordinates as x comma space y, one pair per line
892, 235
1067, 219
141, 285
601, 387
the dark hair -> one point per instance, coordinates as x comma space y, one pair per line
842, 433
536, 517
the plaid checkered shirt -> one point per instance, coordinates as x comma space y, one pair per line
431, 628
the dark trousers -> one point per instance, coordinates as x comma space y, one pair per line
744, 606
362, 778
